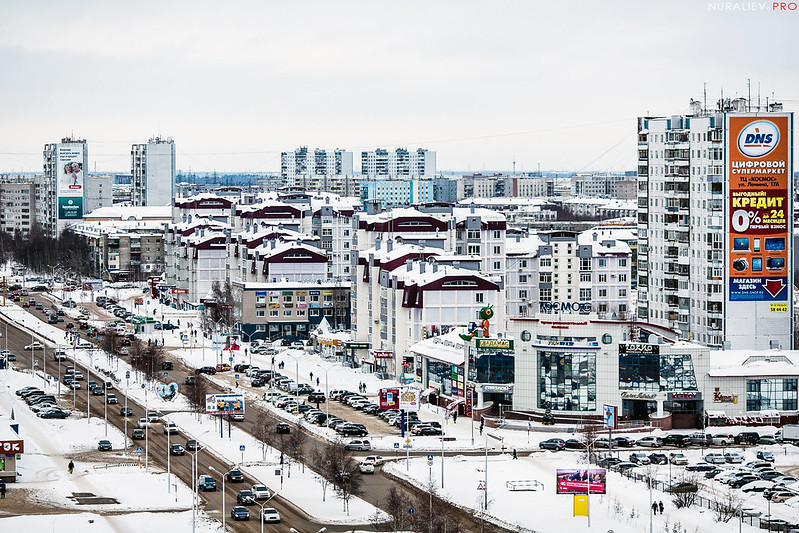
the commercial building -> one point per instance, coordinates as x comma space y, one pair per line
714, 224
152, 168
66, 165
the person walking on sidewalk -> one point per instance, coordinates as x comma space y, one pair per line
70, 466
2, 489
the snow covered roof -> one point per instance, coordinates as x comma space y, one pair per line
603, 242
446, 348
743, 363
524, 246
117, 212
486, 215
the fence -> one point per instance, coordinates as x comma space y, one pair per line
709, 503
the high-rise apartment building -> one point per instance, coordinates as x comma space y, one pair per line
152, 168
715, 224
66, 165
17, 204
302, 168
401, 162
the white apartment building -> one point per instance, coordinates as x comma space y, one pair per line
401, 162
152, 168
297, 168
684, 253
17, 205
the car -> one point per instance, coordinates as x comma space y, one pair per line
269, 515
205, 370
700, 466
783, 495
676, 439
699, 439
765, 456
678, 459
747, 437
775, 524
640, 458
143, 423
191, 444
237, 417
425, 431
77, 375
767, 439
623, 466
167, 365
222, 367
11, 357
239, 513
235, 476
104, 446
98, 391
682, 487
304, 388
359, 445
734, 457
171, 428
366, 468
658, 459
126, 412
376, 460
206, 483
769, 475
601, 442
715, 459
654, 442
177, 449
111, 398
74, 385
53, 413
552, 444
316, 397
352, 430
245, 497
153, 417
260, 492
723, 439
282, 427
35, 345
138, 434
784, 480
622, 442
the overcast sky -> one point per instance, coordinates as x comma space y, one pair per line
483, 83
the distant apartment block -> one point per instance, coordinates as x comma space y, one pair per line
153, 172
300, 167
400, 162
17, 204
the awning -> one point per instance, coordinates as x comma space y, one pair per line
427, 392
770, 414
454, 403
716, 414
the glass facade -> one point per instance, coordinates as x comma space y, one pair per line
449, 376
567, 380
653, 372
773, 393
491, 365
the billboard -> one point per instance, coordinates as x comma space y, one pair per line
70, 176
758, 221
409, 399
389, 398
580, 480
232, 342
222, 404
70, 208
609, 416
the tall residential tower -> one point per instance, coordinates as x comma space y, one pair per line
153, 172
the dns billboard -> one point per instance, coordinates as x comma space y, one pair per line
758, 222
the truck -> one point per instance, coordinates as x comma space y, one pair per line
789, 433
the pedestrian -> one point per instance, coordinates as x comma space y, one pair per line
237, 384
660, 506
455, 416
317, 382
364, 388
70, 466
655, 508
514, 454
2, 489
311, 376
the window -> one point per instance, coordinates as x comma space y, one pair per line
545, 295
314, 312
603, 278
260, 313
622, 278
622, 262
545, 262
545, 277
497, 265
779, 394
473, 234
603, 263
300, 312
273, 312
473, 249
287, 312
497, 234
585, 295
567, 381
478, 297
497, 250
622, 293
523, 263
603, 293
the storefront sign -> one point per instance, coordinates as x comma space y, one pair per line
719, 397
356, 345
502, 344
564, 307
639, 395
683, 396
638, 347
507, 389
382, 354
12, 446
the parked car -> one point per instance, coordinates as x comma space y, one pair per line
734, 457
678, 459
104, 446
359, 445
552, 444
723, 439
640, 458
622, 442
316, 397
699, 439
715, 459
575, 444
765, 456
747, 437
601, 442
238, 512
607, 462
658, 459
654, 442
700, 467
676, 439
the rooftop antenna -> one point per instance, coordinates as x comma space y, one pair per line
758, 96
749, 94
704, 97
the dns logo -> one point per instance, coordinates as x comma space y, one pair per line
759, 138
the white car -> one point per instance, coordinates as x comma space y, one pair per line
35, 345
374, 459
143, 423
270, 515
171, 428
367, 468
654, 442
261, 492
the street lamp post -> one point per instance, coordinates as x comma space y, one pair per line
296, 378
327, 395
127, 384
194, 486
212, 469
146, 432
261, 514
88, 395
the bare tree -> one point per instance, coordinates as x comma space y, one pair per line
725, 505
110, 342
261, 432
218, 310
335, 463
684, 492
297, 443
397, 506
196, 394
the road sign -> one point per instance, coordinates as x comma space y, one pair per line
407, 446
481, 486
166, 374
396, 444
127, 374
230, 358
411, 510
241, 448
429, 462
55, 378
429, 456
236, 376
138, 450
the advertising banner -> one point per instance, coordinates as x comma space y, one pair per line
12, 446
70, 172
389, 398
579, 480
221, 404
609, 416
759, 195
70, 208
232, 342
409, 399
